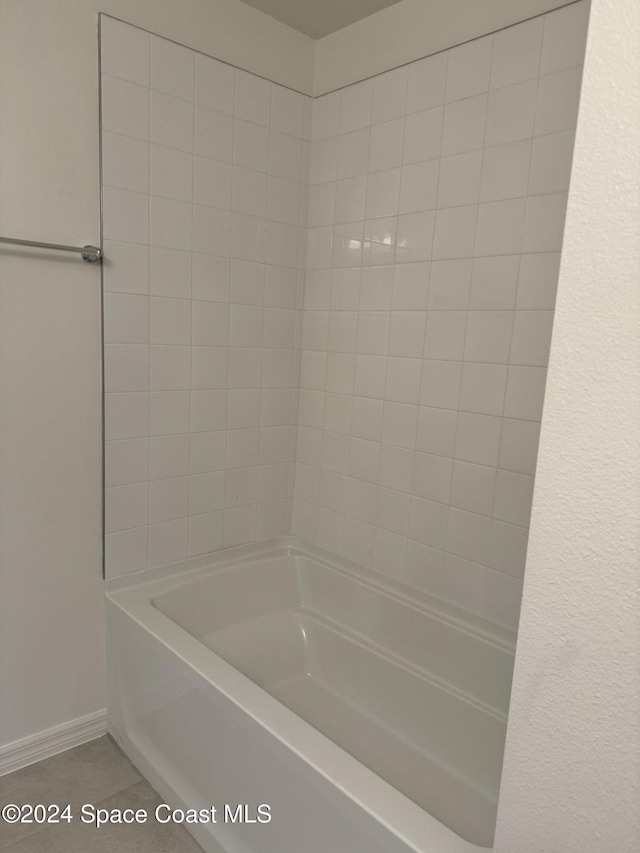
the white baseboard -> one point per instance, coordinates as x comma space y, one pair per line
44, 744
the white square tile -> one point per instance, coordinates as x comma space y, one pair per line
248, 238
205, 533
392, 511
455, 231
538, 280
251, 146
544, 223
551, 159
426, 82
278, 327
502, 599
565, 37
211, 277
383, 190
396, 468
403, 380
207, 452
210, 323
170, 321
125, 107
126, 415
415, 237
125, 162
519, 446
169, 412
170, 223
531, 337
425, 568
440, 384
432, 477
500, 225
345, 289
385, 145
214, 84
352, 155
126, 507
422, 135
326, 116
240, 487
463, 125
488, 336
171, 173
322, 202
343, 330
482, 389
126, 461
379, 246
340, 372
170, 273
370, 376
419, 186
516, 53
494, 282
273, 482
170, 368
212, 183
389, 95
445, 335
366, 418
450, 283
558, 100
407, 333
525, 393
473, 487
125, 268
125, 51
514, 493
364, 460
357, 541
213, 135
245, 367
508, 548
253, 98
126, 551
212, 231
399, 424
459, 181
167, 542
505, 171
168, 456
478, 438
126, 319
287, 111
468, 535
246, 323
355, 106
168, 499
428, 522
436, 431
281, 245
285, 156
208, 410
274, 445
468, 69
410, 286
125, 215
373, 333
389, 553
347, 244
284, 200
337, 413
275, 408
249, 195
172, 68
272, 520
511, 112
171, 122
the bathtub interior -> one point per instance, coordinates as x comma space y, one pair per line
366, 668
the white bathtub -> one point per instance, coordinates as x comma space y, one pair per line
370, 718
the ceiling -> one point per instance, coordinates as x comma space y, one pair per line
318, 18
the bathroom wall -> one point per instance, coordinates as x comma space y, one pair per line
436, 211
203, 185
570, 781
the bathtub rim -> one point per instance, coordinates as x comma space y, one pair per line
133, 594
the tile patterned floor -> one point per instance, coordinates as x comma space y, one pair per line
98, 773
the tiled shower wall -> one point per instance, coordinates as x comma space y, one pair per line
203, 185
436, 211
404, 432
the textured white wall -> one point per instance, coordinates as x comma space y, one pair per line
410, 30
51, 625
571, 780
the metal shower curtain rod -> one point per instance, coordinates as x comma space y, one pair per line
90, 254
